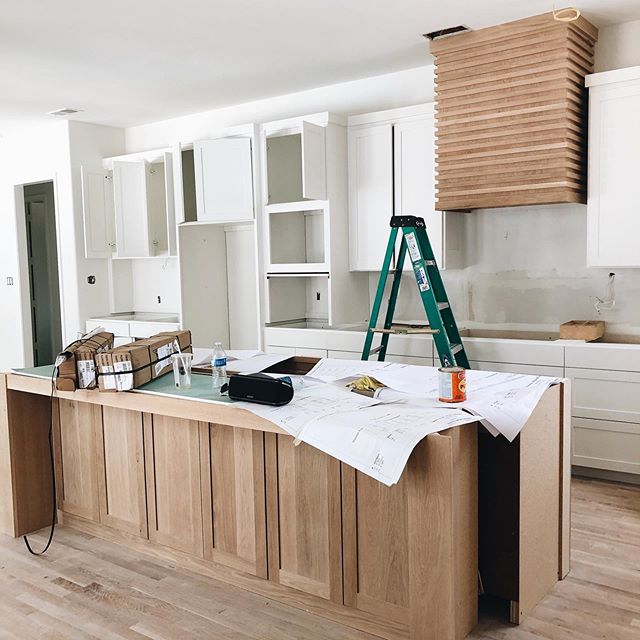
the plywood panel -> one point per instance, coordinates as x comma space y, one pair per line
304, 518
121, 478
172, 463
496, 89
410, 551
79, 423
234, 497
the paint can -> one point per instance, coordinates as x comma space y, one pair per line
452, 384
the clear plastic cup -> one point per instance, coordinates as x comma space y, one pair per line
182, 369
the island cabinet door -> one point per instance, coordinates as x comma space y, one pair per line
121, 480
77, 468
303, 516
410, 550
172, 465
233, 497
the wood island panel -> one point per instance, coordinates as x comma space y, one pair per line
78, 425
121, 477
172, 463
233, 497
304, 518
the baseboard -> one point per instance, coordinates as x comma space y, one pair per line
605, 474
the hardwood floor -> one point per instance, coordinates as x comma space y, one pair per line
88, 588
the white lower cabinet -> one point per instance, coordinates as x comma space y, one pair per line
527, 369
607, 445
606, 419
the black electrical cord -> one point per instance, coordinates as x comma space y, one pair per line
54, 510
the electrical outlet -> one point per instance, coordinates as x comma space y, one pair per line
9, 281
317, 296
91, 279
159, 300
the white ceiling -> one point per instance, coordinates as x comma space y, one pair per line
126, 62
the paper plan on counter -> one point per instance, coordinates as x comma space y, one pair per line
314, 400
502, 401
379, 440
240, 360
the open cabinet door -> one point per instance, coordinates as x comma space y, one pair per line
314, 175
172, 242
98, 215
131, 212
224, 179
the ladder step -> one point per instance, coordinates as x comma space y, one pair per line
430, 263
442, 306
456, 348
405, 330
375, 350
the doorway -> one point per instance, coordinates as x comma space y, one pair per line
44, 281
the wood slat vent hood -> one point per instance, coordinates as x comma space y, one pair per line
511, 114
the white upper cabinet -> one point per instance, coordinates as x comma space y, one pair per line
97, 208
415, 185
314, 180
131, 212
391, 172
296, 164
613, 205
169, 203
370, 194
223, 180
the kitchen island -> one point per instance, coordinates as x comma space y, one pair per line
217, 489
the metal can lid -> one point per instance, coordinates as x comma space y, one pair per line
451, 369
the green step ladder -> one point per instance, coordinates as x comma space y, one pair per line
442, 324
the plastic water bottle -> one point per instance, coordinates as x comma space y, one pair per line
218, 367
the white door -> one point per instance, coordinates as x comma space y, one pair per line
130, 204
314, 173
613, 212
370, 195
224, 179
172, 241
98, 214
415, 178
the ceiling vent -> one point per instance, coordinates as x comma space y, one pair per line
64, 112
443, 33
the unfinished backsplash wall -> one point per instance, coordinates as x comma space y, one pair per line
525, 268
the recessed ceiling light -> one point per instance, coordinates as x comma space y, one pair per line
65, 111
449, 31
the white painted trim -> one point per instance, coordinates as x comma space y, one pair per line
610, 77
294, 125
289, 207
426, 109
155, 155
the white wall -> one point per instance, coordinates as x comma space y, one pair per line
618, 46
37, 154
411, 86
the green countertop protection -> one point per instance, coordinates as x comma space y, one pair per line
201, 386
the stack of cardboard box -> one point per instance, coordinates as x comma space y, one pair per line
77, 369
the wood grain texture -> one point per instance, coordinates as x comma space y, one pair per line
512, 93
79, 423
87, 588
305, 517
174, 497
121, 477
233, 497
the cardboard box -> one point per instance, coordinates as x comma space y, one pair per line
78, 370
163, 345
124, 368
582, 330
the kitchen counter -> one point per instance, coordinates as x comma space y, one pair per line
221, 491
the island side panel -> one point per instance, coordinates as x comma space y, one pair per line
25, 467
540, 504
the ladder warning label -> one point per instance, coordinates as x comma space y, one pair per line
412, 245
421, 277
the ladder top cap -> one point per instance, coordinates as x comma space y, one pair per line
407, 221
